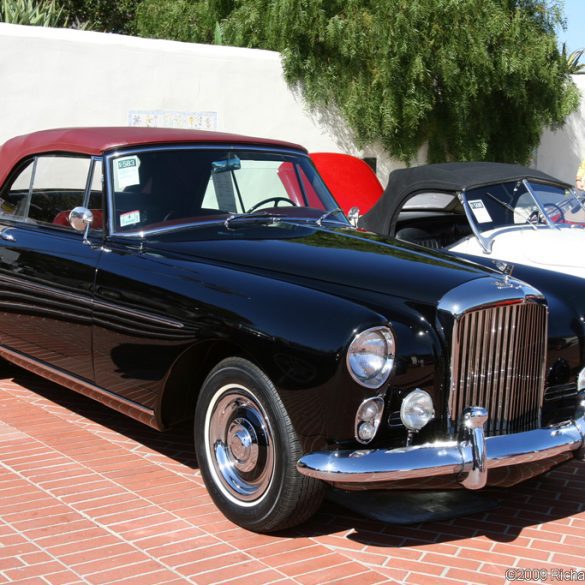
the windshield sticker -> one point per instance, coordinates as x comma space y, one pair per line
129, 218
481, 213
126, 172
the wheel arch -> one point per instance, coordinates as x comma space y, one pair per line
186, 376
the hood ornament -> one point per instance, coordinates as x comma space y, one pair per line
505, 268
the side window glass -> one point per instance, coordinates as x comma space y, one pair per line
47, 190
16, 195
58, 186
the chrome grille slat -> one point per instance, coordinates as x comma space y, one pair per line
497, 366
498, 363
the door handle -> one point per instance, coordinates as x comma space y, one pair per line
6, 235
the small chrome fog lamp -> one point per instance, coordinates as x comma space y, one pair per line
417, 410
367, 419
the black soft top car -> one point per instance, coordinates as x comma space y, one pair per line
404, 184
500, 211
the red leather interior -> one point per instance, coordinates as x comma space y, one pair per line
62, 218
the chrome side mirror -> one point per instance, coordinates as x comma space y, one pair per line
353, 216
80, 219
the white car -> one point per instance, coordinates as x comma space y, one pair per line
499, 211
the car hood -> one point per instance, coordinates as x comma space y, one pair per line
553, 249
332, 255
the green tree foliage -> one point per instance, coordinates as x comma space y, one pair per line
31, 12
102, 15
180, 20
473, 79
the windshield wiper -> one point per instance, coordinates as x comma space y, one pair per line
255, 216
276, 217
327, 214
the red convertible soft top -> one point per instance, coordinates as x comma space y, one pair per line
97, 140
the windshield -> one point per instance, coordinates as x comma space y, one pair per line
160, 188
523, 202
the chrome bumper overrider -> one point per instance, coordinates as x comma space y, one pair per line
467, 458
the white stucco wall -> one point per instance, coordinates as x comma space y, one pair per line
562, 150
59, 77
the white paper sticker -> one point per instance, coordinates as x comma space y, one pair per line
126, 172
130, 218
481, 213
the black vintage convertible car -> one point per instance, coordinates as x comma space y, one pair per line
175, 274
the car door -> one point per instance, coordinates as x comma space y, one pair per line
140, 325
46, 269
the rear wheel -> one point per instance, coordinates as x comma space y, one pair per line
247, 450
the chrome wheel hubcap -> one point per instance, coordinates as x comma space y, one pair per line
240, 445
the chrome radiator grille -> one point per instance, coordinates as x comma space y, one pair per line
498, 362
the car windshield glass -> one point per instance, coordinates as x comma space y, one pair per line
161, 188
523, 202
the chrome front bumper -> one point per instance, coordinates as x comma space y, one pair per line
468, 459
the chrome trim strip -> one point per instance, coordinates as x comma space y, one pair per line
89, 301
136, 411
125, 311
486, 291
452, 458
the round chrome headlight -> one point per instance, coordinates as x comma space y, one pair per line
417, 410
370, 356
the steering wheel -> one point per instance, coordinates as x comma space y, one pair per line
536, 215
275, 200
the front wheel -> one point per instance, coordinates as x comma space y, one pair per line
247, 450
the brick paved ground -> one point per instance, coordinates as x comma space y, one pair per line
89, 496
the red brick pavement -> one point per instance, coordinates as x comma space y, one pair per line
89, 496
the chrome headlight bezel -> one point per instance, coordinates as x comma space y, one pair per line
368, 418
581, 380
381, 334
